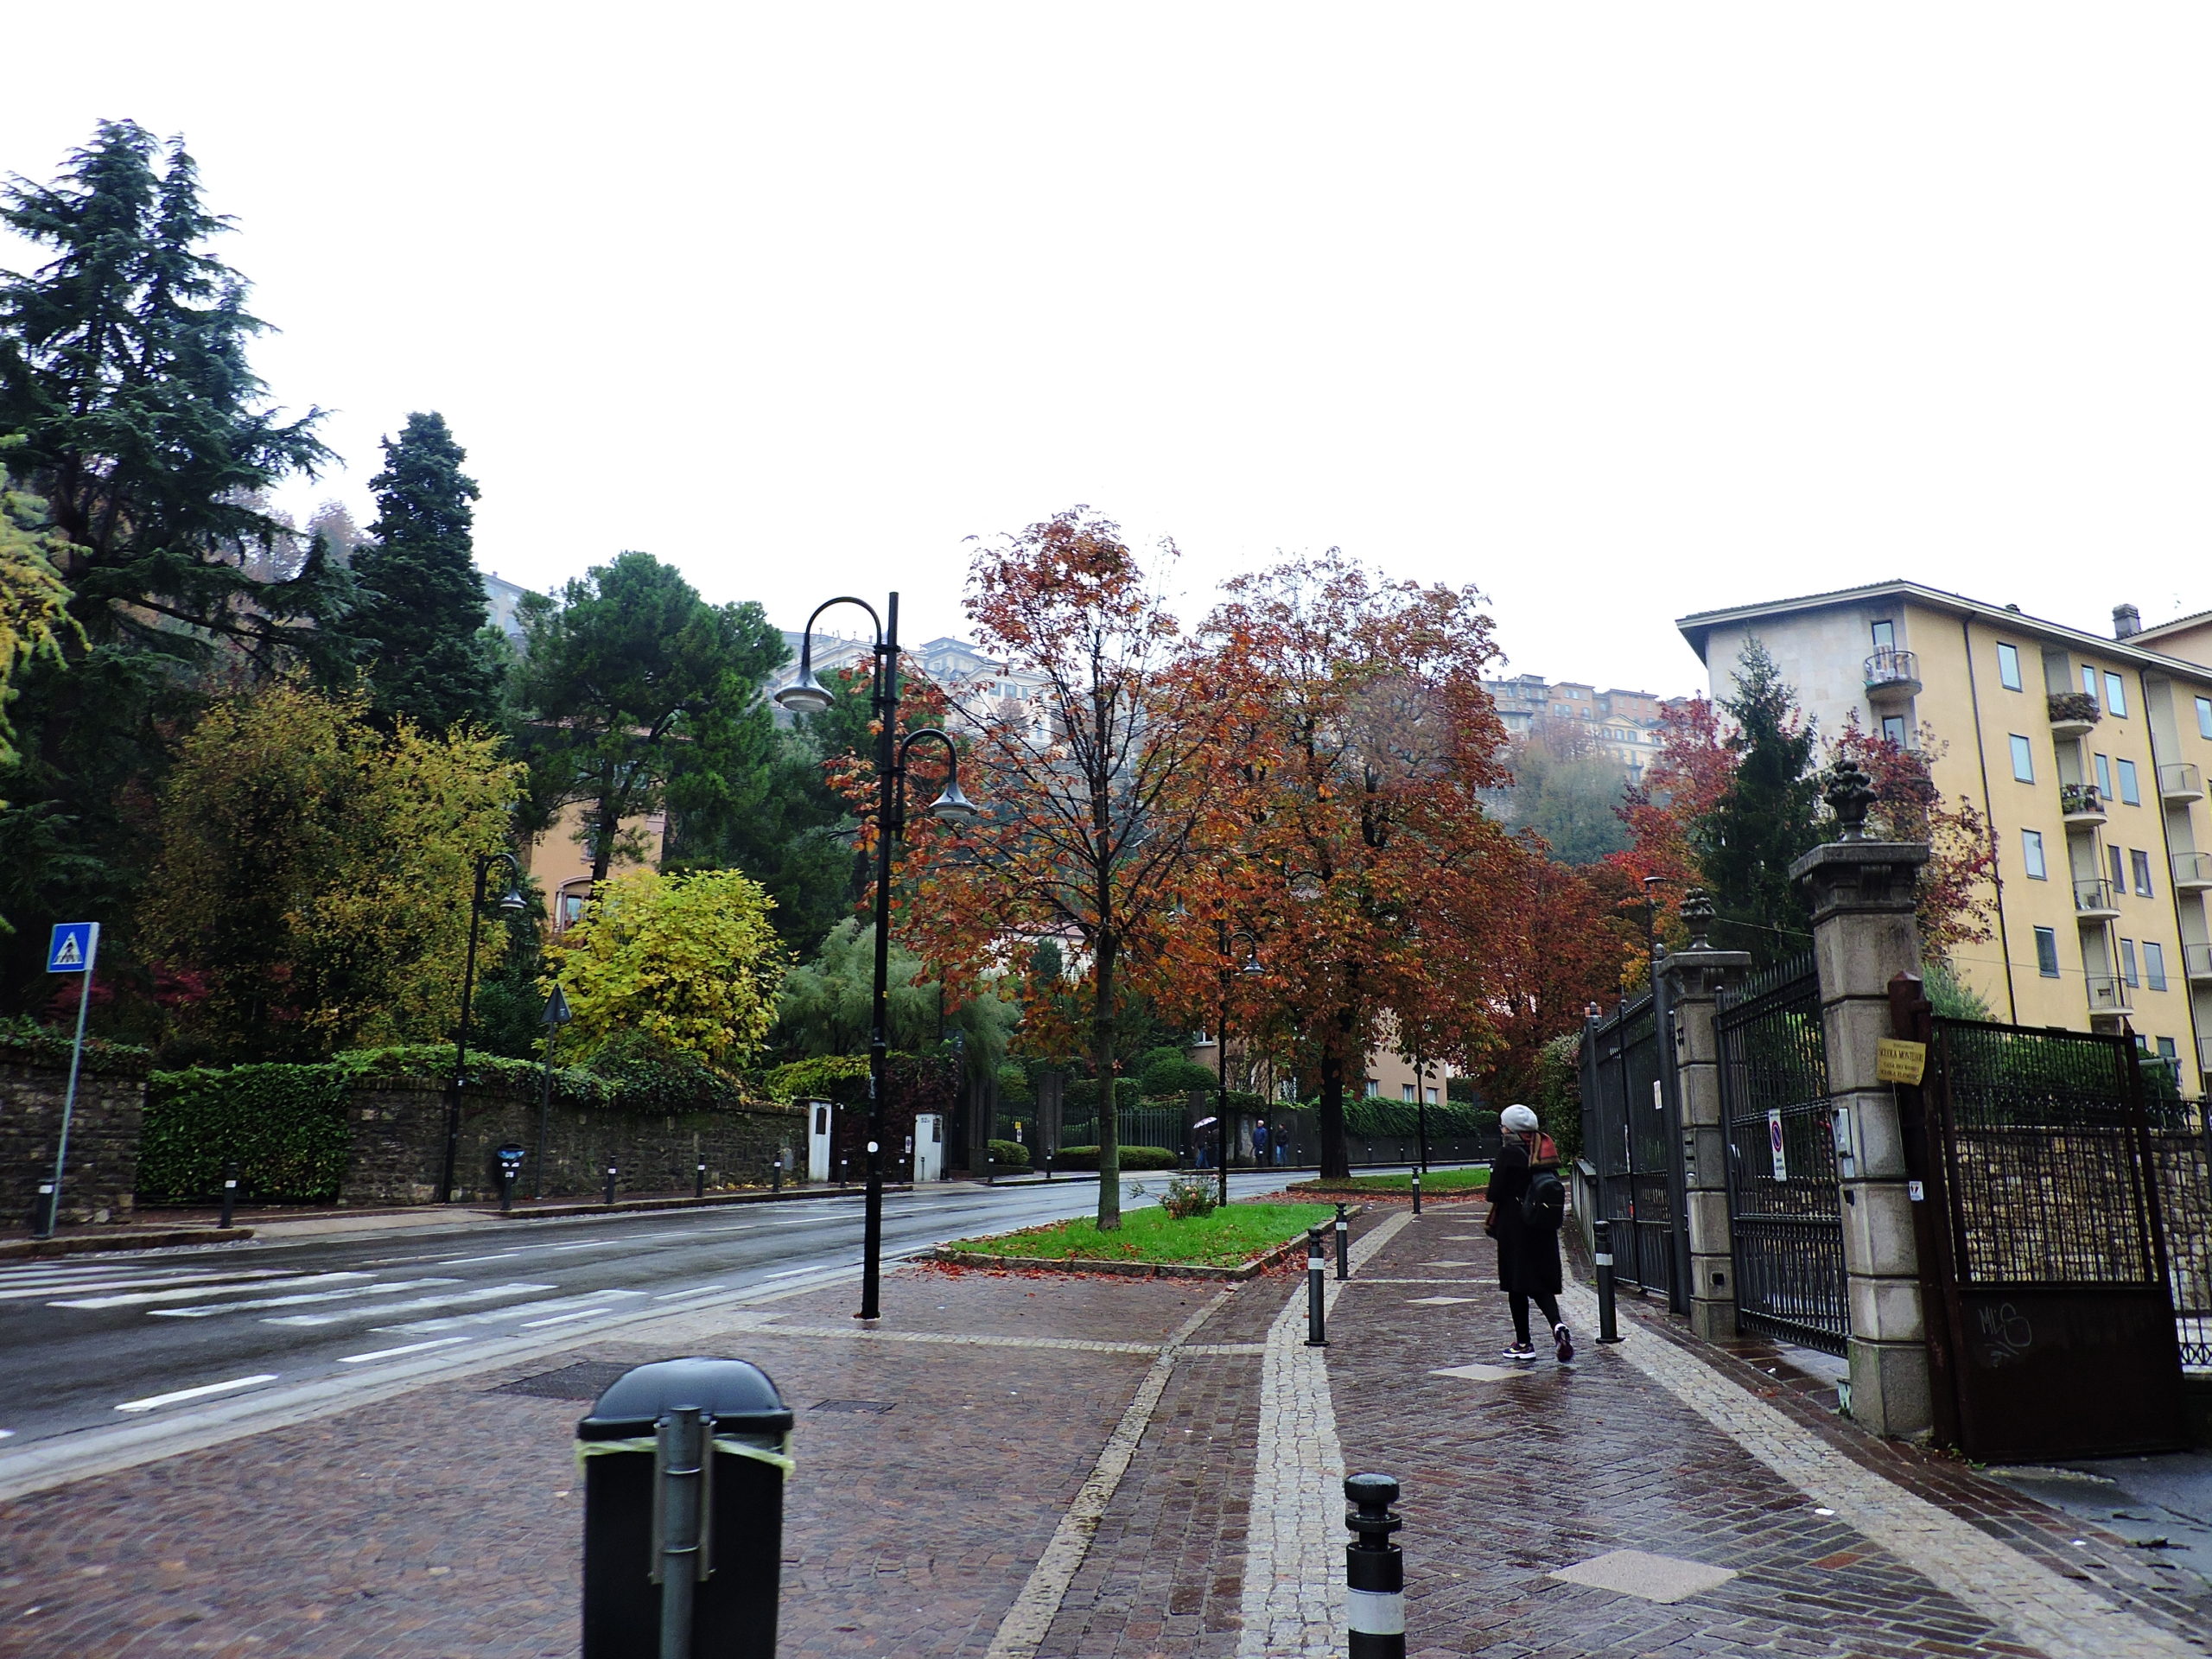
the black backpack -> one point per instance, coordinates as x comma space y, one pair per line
1543, 1206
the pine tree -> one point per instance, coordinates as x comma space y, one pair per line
1768, 814
421, 603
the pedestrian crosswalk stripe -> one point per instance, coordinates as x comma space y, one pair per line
209, 1309
140, 1297
489, 1294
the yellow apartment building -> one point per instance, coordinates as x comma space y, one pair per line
2086, 754
562, 861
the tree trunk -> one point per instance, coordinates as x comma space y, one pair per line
1109, 1105
602, 842
1336, 1159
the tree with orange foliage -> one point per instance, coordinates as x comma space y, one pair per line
1088, 809
1346, 824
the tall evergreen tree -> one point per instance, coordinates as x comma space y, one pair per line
1768, 814
421, 606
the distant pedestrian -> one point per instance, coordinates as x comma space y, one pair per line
1527, 1202
1260, 1142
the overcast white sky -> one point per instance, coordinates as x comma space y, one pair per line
1617, 312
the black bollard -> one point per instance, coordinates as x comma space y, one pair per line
842, 1170
1416, 1191
1048, 1167
1317, 1265
776, 1175
506, 1190
1344, 1245
1608, 1329
699, 1183
230, 1191
47, 1215
1374, 1571
610, 1186
990, 1166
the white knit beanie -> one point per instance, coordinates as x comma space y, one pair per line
1519, 1119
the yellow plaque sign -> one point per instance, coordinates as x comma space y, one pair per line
1899, 1061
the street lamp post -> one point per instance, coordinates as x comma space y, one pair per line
808, 695
512, 904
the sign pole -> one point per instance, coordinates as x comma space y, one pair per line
90, 948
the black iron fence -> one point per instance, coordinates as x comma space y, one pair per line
1628, 1117
2181, 1156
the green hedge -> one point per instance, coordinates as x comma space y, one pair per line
283, 1125
1009, 1154
1132, 1158
825, 1076
1384, 1118
23, 1041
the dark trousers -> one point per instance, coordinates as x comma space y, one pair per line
1520, 1299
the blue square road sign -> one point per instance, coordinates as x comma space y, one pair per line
72, 948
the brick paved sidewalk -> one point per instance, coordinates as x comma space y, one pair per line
1140, 1469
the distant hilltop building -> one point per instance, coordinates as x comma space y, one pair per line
1623, 726
981, 687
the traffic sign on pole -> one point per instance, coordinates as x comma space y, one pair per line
73, 947
72, 951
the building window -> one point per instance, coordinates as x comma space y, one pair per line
2154, 964
2127, 963
2023, 759
2118, 872
2115, 694
2129, 794
2008, 666
1431, 1094
1885, 635
2047, 952
1408, 1088
2140, 862
1375, 1087
2204, 717
1893, 729
2032, 853
2104, 777
2170, 1055
2089, 682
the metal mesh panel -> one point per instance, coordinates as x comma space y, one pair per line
2180, 1155
2046, 1163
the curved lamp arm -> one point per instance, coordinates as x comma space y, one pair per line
806, 695
511, 902
951, 806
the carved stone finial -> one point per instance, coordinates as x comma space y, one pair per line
1850, 792
1697, 916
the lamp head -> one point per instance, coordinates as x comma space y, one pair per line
953, 807
805, 695
514, 904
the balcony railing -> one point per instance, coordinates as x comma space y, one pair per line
2073, 713
2080, 801
1893, 670
2196, 961
2108, 995
2192, 872
2179, 781
2093, 899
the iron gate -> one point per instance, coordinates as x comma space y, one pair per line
2054, 1303
1629, 1136
1784, 1203
2181, 1152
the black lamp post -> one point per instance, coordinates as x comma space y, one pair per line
808, 695
512, 904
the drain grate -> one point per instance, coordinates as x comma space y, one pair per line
587, 1380
877, 1406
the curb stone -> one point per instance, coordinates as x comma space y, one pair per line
17, 1249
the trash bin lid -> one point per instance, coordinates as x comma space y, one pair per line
740, 1394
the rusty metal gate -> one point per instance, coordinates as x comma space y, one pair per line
1784, 1205
1629, 1136
2050, 1270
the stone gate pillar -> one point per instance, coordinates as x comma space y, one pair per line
1696, 977
1864, 931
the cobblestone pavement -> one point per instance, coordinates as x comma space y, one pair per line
1079, 1468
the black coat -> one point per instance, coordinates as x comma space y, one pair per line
1528, 1257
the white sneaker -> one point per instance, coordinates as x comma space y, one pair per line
1562, 1345
1521, 1351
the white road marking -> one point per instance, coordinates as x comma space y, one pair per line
394, 1353
465, 1260
210, 1308
24, 1290
139, 1297
788, 1271
204, 1389
559, 1319
699, 1290
7, 1433
562, 1303
490, 1293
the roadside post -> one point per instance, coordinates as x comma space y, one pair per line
72, 950
230, 1191
1343, 1245
699, 1182
684, 1462
510, 1157
610, 1186
1416, 1191
1608, 1328
775, 1176
557, 1015
1317, 1268
1375, 1570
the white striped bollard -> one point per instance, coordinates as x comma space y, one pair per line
1375, 1570
1344, 1245
1416, 1191
1608, 1330
1317, 1265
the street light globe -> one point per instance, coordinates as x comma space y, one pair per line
805, 695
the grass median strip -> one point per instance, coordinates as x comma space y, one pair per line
1226, 1238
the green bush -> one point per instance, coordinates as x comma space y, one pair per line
1558, 1092
1014, 1088
1009, 1154
1382, 1119
23, 1041
1132, 1158
840, 1077
1190, 1196
1082, 1096
1168, 1073
284, 1125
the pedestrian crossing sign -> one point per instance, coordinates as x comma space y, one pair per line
72, 948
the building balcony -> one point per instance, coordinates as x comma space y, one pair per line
2180, 782
1892, 673
2081, 804
2072, 713
2193, 872
2108, 996
2196, 962
2094, 901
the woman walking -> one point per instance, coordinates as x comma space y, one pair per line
1527, 1200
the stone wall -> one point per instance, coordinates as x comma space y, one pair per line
103, 1139
399, 1146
